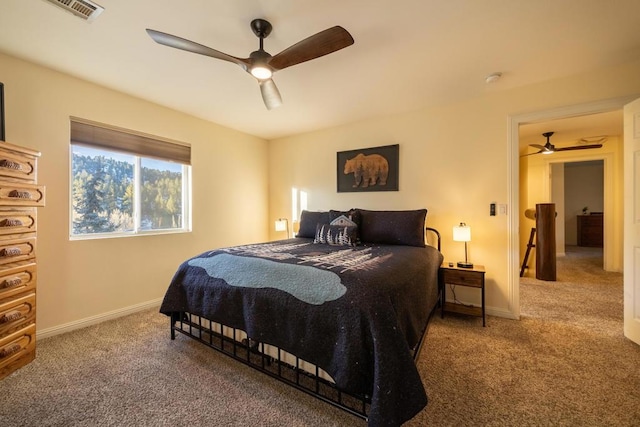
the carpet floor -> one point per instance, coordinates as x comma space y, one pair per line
565, 363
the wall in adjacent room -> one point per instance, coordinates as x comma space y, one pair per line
82, 281
454, 161
584, 182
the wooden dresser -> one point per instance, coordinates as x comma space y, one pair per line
590, 230
20, 195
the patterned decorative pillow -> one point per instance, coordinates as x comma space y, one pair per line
352, 214
336, 235
308, 222
343, 221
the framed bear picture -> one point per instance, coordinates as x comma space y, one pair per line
368, 169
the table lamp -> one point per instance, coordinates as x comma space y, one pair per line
282, 224
462, 233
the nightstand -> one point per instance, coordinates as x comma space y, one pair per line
470, 277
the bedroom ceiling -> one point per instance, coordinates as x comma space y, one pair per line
425, 53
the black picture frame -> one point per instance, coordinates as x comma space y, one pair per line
1, 111
366, 174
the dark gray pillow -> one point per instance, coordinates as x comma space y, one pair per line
308, 222
393, 227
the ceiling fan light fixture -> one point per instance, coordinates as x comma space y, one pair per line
261, 72
493, 77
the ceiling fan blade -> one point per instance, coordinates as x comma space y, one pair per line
270, 94
189, 46
579, 147
539, 147
531, 154
315, 46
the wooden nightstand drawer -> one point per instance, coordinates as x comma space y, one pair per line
465, 278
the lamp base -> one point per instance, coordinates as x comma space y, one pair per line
463, 264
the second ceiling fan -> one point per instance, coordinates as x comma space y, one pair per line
549, 148
261, 64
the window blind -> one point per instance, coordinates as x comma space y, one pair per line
111, 138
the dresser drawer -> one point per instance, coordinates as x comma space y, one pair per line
14, 250
16, 313
17, 280
17, 349
19, 194
457, 277
17, 166
17, 221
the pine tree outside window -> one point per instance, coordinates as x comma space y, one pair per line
124, 183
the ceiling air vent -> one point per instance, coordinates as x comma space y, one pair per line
82, 8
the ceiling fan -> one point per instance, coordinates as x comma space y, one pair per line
549, 148
261, 64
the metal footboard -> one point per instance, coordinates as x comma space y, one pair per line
280, 365
234, 343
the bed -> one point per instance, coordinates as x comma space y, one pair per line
340, 311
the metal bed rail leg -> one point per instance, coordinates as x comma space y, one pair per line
173, 319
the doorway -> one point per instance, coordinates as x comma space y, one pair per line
598, 176
580, 221
516, 215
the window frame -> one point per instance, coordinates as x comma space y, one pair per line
137, 231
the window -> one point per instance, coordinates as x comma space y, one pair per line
298, 203
124, 183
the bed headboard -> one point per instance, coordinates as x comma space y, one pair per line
437, 234
400, 227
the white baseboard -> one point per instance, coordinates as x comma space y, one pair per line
499, 312
83, 323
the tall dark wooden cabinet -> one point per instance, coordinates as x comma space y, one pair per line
20, 196
590, 230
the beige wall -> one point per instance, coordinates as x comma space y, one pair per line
83, 280
453, 160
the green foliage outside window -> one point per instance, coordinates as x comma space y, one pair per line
104, 194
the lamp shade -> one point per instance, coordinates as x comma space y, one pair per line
281, 225
462, 233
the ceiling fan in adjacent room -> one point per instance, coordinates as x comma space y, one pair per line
261, 64
549, 148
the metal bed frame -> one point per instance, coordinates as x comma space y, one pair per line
234, 343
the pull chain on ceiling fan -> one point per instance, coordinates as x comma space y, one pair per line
549, 148
260, 63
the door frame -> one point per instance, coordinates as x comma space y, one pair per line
513, 141
608, 200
